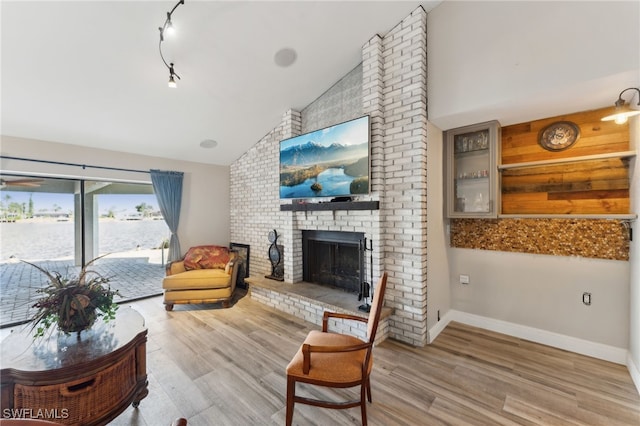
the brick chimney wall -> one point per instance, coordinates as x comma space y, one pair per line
394, 81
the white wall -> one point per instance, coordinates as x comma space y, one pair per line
438, 295
633, 362
545, 292
516, 61
204, 218
521, 61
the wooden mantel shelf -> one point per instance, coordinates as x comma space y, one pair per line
331, 206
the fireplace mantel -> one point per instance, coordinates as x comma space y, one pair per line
329, 206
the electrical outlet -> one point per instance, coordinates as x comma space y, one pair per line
464, 279
586, 298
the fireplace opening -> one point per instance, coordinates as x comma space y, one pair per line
333, 258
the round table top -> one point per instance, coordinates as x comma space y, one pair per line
21, 351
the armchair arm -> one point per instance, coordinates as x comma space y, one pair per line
307, 349
327, 315
175, 267
232, 269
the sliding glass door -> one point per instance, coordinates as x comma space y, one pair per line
50, 218
37, 218
124, 220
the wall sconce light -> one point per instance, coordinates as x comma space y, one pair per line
623, 110
168, 29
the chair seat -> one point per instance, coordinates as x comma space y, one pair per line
331, 367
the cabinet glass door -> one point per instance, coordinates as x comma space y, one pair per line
471, 177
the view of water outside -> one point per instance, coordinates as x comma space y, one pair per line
55, 240
128, 222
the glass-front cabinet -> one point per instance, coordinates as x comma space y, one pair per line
471, 171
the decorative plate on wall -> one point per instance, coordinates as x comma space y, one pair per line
559, 135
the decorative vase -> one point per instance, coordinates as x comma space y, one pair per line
76, 325
73, 303
77, 321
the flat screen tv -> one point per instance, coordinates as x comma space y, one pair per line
330, 162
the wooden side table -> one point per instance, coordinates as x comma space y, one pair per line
85, 380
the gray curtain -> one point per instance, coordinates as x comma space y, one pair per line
168, 188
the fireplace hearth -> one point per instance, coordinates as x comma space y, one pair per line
333, 258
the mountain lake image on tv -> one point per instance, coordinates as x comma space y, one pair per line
330, 162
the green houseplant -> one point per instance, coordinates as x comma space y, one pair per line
73, 303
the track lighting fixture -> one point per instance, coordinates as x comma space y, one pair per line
623, 110
172, 81
168, 29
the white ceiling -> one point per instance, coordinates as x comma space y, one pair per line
90, 74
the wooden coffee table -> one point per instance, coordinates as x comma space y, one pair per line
87, 380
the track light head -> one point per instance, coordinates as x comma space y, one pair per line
168, 25
172, 74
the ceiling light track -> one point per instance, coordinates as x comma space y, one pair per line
168, 29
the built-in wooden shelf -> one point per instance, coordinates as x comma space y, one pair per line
331, 206
570, 216
624, 154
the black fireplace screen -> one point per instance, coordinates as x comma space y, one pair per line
333, 258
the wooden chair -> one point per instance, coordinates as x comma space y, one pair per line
336, 360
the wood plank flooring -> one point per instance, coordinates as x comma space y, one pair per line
218, 366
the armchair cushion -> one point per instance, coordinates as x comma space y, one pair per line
197, 278
206, 257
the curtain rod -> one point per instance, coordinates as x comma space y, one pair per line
84, 166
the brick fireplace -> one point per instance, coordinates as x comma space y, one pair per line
389, 86
334, 258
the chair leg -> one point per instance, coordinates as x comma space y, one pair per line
363, 403
369, 389
291, 391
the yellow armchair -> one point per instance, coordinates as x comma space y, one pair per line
206, 274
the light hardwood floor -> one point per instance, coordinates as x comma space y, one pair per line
227, 367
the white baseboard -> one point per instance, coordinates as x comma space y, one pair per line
556, 340
634, 371
434, 331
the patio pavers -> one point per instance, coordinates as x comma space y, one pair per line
134, 277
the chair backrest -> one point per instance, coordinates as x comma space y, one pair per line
376, 307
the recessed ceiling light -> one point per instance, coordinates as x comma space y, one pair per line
208, 143
285, 57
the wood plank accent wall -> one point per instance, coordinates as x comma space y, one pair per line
583, 187
598, 186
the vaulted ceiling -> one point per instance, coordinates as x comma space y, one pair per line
90, 73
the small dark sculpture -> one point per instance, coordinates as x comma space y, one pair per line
275, 257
